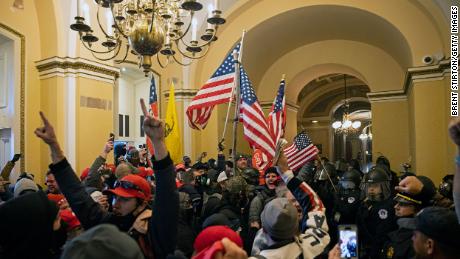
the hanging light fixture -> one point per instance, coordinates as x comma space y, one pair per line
366, 133
346, 125
148, 28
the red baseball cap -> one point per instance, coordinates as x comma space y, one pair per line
57, 198
112, 167
70, 218
145, 171
132, 186
212, 234
180, 167
84, 174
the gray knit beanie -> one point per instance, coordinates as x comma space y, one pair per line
279, 219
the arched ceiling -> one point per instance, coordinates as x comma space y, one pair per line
273, 38
322, 95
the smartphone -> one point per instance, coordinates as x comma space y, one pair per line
348, 240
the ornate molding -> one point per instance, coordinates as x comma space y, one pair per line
414, 74
22, 91
76, 67
181, 94
289, 106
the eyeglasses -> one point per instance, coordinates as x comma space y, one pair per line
127, 185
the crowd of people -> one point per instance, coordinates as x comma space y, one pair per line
142, 207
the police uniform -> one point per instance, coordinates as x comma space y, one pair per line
348, 197
376, 216
399, 243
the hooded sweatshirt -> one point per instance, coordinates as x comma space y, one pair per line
26, 227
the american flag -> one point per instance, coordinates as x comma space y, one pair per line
277, 115
217, 90
153, 102
255, 126
301, 151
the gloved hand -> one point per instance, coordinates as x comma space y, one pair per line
221, 145
16, 158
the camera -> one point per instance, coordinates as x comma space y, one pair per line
428, 60
202, 180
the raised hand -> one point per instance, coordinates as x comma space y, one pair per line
334, 253
154, 128
231, 251
454, 131
108, 147
46, 133
16, 158
282, 163
221, 145
410, 184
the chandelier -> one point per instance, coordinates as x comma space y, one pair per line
366, 133
346, 125
149, 28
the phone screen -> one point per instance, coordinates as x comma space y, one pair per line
348, 242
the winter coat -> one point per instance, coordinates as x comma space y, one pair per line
162, 226
26, 228
311, 242
258, 203
375, 220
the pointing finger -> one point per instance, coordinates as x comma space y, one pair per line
144, 108
44, 119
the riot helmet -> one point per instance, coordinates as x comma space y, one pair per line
350, 180
323, 172
376, 184
446, 186
251, 175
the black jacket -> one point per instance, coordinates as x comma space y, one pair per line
375, 220
26, 228
162, 229
399, 245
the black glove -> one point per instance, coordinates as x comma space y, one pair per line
16, 158
221, 146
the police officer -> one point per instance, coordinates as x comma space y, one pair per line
444, 198
376, 215
383, 162
323, 184
347, 197
399, 242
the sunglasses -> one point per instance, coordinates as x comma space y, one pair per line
127, 185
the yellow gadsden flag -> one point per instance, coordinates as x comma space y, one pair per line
172, 132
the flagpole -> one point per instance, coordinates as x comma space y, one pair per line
228, 113
237, 61
327, 173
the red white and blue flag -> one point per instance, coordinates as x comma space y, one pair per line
301, 151
255, 126
217, 90
277, 116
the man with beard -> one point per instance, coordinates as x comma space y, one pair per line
156, 235
436, 234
